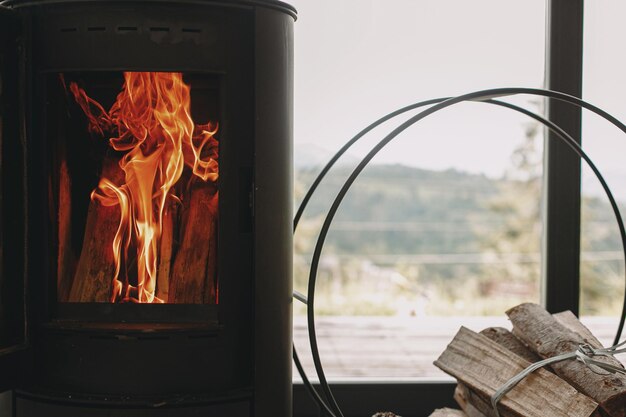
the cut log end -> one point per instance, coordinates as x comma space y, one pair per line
506, 339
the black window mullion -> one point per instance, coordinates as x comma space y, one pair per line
562, 172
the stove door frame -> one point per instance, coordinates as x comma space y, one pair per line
15, 353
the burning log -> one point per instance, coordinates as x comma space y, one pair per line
96, 266
166, 246
66, 260
484, 366
549, 338
193, 276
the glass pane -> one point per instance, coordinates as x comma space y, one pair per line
443, 228
133, 174
602, 260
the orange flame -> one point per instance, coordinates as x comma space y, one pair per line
152, 123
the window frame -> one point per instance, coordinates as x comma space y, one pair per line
562, 168
560, 240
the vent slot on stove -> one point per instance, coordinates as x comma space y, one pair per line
132, 29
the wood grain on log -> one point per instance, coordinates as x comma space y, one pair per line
484, 366
507, 340
548, 338
210, 277
66, 259
96, 265
193, 276
166, 247
569, 320
448, 412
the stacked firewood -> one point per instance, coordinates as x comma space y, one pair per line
483, 362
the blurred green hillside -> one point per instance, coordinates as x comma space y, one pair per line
413, 241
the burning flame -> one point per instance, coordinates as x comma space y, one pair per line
151, 122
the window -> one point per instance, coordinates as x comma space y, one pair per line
419, 243
452, 211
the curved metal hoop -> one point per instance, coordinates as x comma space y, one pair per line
481, 96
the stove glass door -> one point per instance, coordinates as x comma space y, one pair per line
133, 174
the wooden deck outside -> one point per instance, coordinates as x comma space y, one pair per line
397, 347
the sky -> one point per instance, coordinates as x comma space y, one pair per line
356, 60
603, 85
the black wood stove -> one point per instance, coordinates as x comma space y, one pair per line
145, 200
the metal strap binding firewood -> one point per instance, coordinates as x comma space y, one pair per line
484, 366
584, 353
550, 339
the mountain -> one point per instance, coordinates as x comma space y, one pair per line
396, 209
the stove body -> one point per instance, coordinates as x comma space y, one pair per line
226, 354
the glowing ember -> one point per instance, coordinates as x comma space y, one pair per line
151, 123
